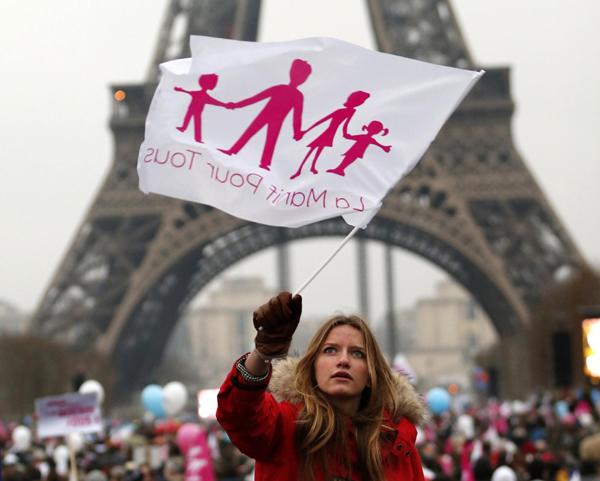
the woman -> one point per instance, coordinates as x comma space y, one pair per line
337, 413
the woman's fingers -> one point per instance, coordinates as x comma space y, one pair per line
278, 313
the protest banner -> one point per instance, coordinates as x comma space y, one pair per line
68, 413
291, 133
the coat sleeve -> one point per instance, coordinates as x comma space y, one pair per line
406, 462
255, 422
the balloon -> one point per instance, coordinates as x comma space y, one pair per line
438, 400
21, 438
186, 436
175, 397
61, 458
77, 441
152, 399
61, 453
561, 408
93, 386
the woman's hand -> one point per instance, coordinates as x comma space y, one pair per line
275, 323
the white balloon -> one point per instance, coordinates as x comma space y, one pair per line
21, 438
93, 386
61, 458
61, 453
175, 396
77, 441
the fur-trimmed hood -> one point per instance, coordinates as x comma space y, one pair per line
410, 404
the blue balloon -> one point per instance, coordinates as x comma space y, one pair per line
152, 399
438, 400
561, 408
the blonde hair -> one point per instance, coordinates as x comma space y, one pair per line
321, 430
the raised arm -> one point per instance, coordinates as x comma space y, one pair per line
252, 418
387, 148
214, 101
179, 89
319, 122
265, 94
351, 137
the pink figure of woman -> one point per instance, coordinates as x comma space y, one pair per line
199, 99
336, 119
361, 142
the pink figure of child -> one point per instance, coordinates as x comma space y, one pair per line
282, 99
336, 119
200, 98
361, 142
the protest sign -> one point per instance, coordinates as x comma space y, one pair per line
291, 133
68, 413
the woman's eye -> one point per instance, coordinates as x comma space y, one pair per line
359, 354
329, 350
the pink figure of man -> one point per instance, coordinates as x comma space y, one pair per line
336, 118
200, 98
361, 142
282, 99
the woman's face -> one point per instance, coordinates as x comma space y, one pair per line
341, 368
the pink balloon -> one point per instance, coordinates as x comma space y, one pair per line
186, 435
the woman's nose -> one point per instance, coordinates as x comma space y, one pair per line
344, 359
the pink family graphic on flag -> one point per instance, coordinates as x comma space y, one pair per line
238, 125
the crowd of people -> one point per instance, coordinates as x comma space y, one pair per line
131, 451
543, 439
339, 412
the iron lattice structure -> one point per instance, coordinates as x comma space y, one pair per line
471, 206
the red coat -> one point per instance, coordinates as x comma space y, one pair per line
263, 428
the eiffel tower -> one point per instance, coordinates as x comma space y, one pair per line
471, 206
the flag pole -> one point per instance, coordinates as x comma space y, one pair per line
327, 261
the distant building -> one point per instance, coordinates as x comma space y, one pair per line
222, 330
12, 320
441, 335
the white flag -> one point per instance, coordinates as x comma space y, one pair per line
291, 133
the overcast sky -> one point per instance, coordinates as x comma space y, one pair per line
59, 58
